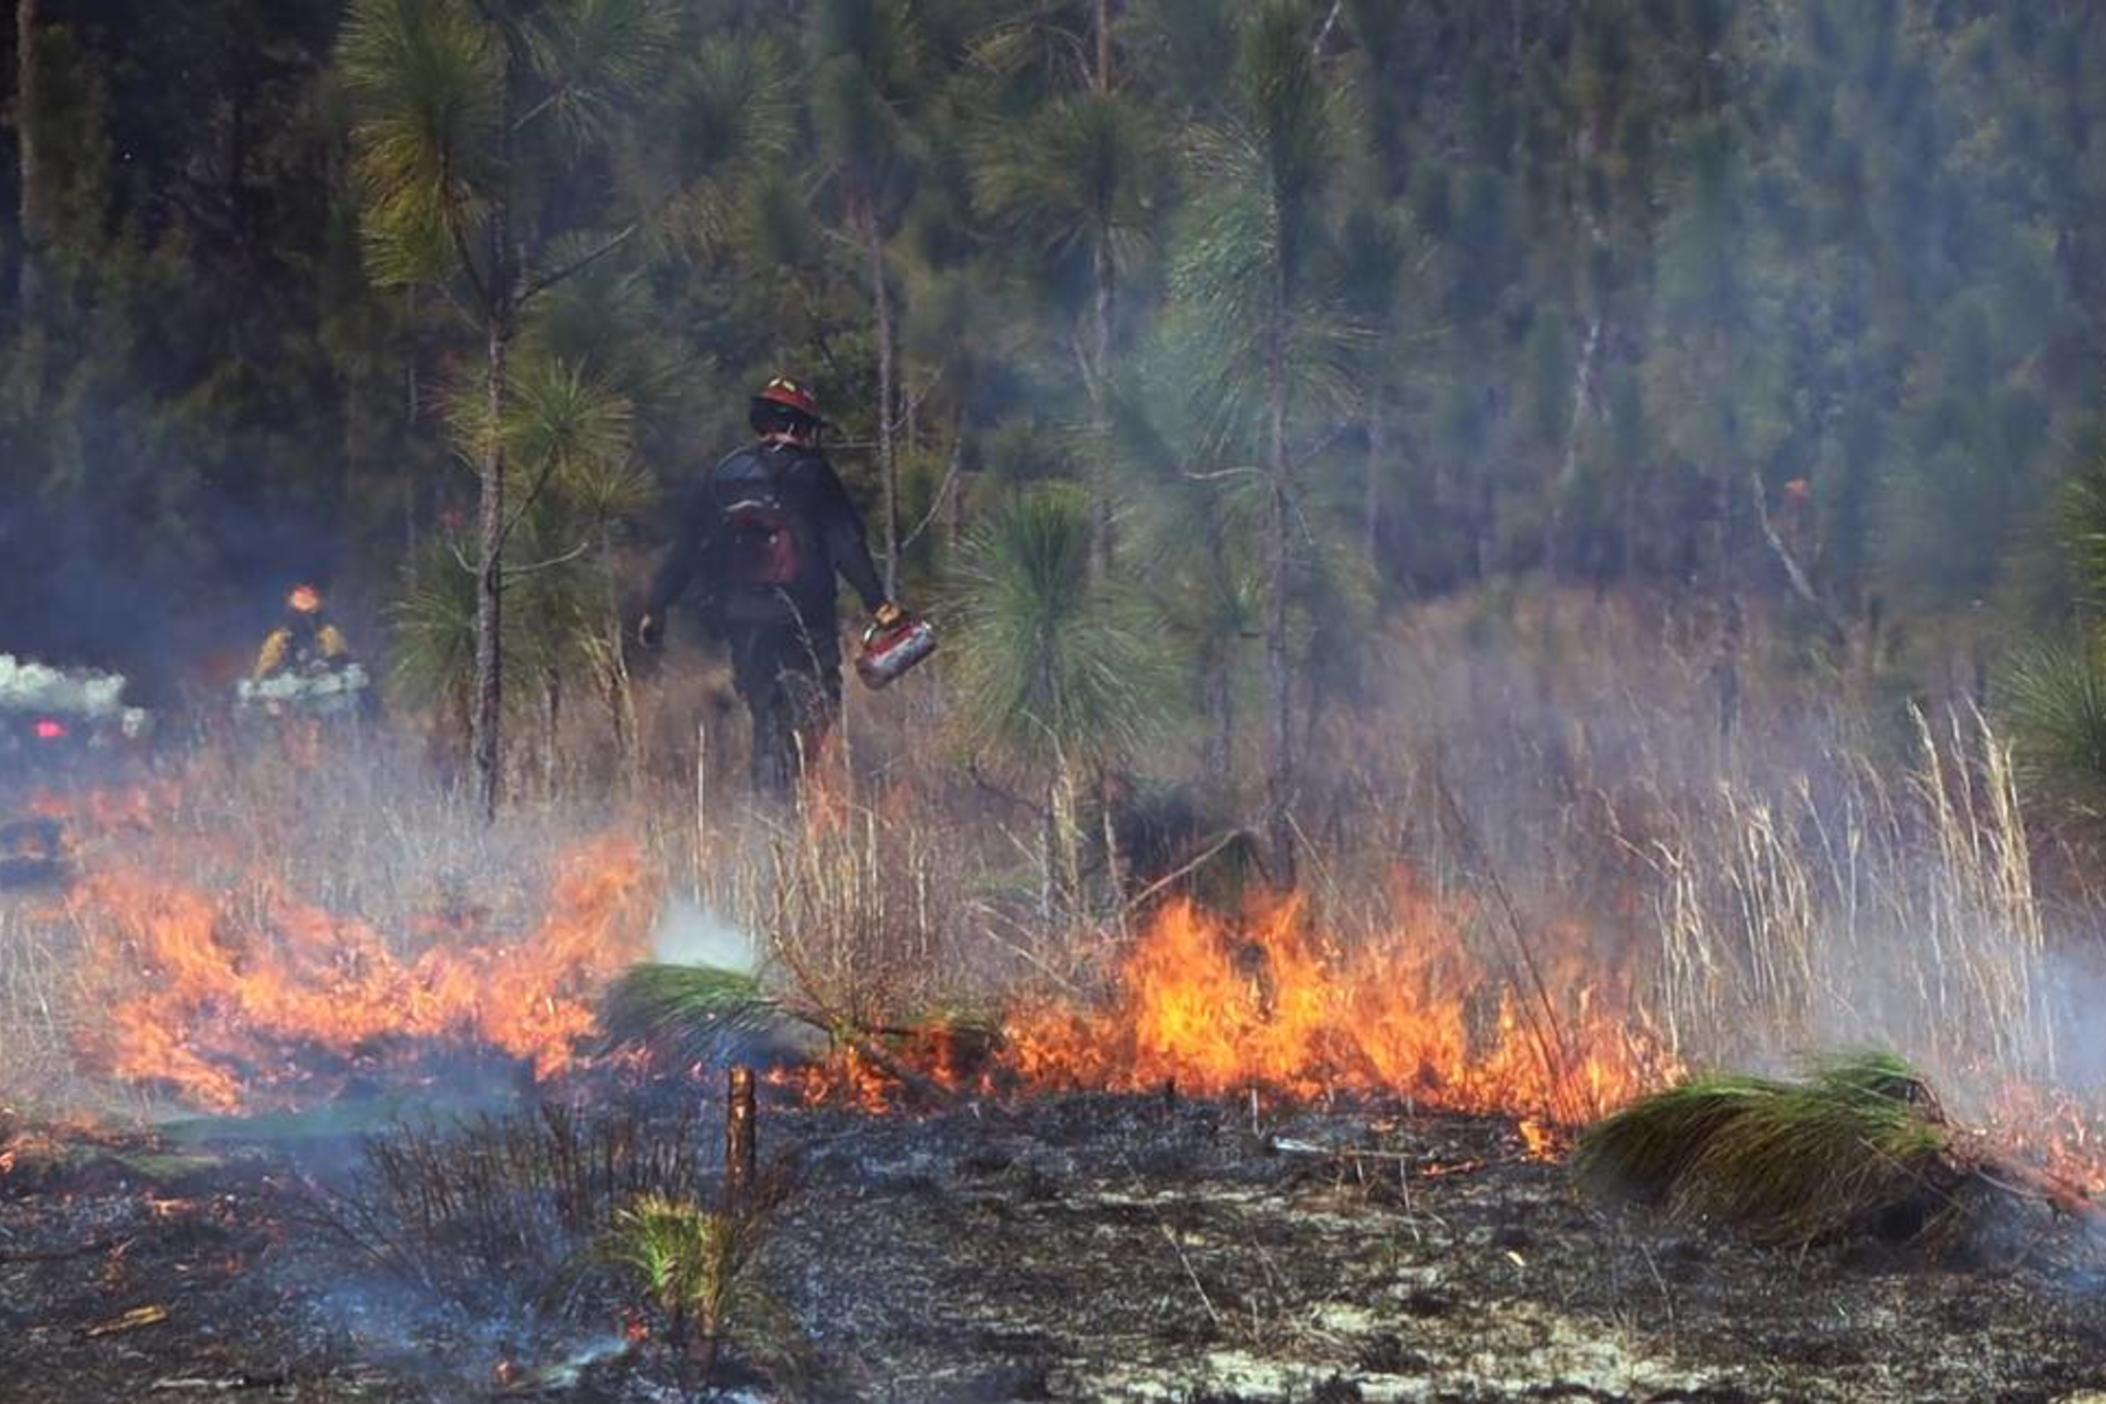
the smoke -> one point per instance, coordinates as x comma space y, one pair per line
688, 933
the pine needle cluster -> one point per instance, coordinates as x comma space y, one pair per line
1859, 1146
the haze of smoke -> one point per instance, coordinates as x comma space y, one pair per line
688, 933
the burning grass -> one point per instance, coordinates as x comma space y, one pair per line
241, 942
1211, 1006
238, 1009
249, 938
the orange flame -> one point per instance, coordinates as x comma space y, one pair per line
232, 1009
2051, 1126
1212, 1008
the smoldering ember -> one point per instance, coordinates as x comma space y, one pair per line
965, 701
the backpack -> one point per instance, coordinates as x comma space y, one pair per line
761, 542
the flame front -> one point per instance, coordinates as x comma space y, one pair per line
1212, 1007
236, 1004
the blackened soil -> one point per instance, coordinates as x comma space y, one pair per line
1083, 1248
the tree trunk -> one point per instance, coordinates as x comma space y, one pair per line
1279, 769
551, 724
954, 491
1371, 502
1220, 700
28, 51
501, 311
1561, 488
1114, 855
1048, 847
490, 576
1100, 406
888, 470
621, 699
1104, 46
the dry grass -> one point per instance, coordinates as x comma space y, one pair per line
500, 1212
370, 835
1820, 876
1857, 906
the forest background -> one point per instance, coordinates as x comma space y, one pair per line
1177, 348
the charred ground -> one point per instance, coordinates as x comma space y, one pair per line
1064, 1248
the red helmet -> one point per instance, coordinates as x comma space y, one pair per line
790, 395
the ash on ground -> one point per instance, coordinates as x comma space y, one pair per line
1073, 1248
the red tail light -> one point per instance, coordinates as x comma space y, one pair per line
49, 729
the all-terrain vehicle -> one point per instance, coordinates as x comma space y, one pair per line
59, 728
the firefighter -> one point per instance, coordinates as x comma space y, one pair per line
764, 533
306, 642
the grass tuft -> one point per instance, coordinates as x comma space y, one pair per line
684, 1013
699, 1268
1859, 1146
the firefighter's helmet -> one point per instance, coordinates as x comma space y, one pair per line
783, 393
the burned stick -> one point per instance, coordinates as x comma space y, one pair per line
928, 1089
60, 1255
2022, 1181
740, 1140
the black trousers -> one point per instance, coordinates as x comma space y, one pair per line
789, 676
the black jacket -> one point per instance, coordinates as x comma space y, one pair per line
830, 529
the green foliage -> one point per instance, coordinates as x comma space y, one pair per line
1859, 1146
549, 617
597, 57
701, 1269
1078, 173
727, 130
569, 435
2054, 698
428, 80
2052, 689
2081, 523
1244, 299
684, 1013
1052, 669
1855, 247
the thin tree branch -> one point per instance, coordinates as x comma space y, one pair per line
548, 471
459, 234
555, 96
915, 401
1316, 50
1793, 571
979, 778
1185, 870
950, 474
579, 265
510, 572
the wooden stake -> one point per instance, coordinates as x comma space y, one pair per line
739, 1140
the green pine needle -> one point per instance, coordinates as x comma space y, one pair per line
684, 1012
1856, 1144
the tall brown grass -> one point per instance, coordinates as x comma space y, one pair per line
1829, 870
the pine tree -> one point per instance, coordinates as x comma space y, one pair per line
469, 118
1246, 277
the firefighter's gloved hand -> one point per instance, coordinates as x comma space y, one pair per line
888, 615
